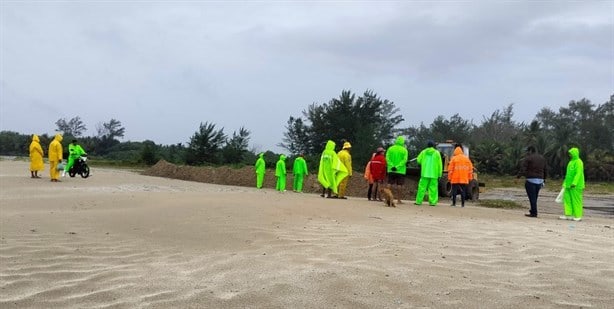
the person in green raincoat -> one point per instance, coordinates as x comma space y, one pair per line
260, 168
331, 170
573, 187
280, 173
396, 166
36, 157
299, 170
431, 169
55, 154
74, 152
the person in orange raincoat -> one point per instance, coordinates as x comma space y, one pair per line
460, 172
36, 157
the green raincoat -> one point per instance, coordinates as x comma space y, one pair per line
331, 170
431, 169
74, 152
260, 168
574, 185
280, 173
299, 170
396, 157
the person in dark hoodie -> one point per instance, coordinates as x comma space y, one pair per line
431, 170
533, 168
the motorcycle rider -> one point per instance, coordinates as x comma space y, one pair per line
74, 152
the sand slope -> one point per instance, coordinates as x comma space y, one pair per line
122, 240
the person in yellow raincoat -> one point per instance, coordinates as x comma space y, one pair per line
345, 157
55, 157
331, 170
36, 157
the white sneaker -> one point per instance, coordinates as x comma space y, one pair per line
577, 219
565, 218
63, 173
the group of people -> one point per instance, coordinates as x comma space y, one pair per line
55, 156
393, 165
390, 165
299, 169
534, 169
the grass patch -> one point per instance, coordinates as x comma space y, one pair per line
501, 204
497, 181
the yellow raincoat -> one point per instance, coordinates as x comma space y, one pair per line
55, 156
36, 155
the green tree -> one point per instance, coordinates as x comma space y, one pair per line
366, 122
297, 137
149, 153
74, 127
111, 130
236, 147
205, 145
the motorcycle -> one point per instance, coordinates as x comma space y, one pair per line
80, 167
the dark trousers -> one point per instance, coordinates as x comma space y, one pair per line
532, 193
459, 187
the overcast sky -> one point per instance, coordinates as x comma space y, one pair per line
163, 67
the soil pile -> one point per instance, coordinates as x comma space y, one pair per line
245, 177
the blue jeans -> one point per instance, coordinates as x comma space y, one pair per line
532, 193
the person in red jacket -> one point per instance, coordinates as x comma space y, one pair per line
460, 172
378, 172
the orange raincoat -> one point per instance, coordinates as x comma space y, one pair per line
460, 168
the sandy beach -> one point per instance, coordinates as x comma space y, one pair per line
123, 240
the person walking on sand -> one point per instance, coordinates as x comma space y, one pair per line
346, 158
260, 168
36, 157
280, 173
299, 170
533, 168
378, 172
396, 166
573, 187
460, 171
430, 172
331, 170
55, 157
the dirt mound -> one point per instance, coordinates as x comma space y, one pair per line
246, 177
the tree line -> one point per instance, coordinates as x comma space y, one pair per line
367, 121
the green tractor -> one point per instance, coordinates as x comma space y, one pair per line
446, 150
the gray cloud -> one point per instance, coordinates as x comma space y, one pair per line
163, 67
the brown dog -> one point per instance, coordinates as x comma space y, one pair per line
386, 193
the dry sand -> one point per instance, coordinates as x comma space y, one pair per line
123, 240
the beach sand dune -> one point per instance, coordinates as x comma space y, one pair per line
123, 240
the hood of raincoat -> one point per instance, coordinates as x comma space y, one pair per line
330, 145
574, 153
400, 141
35, 138
282, 157
457, 151
58, 137
431, 150
261, 155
